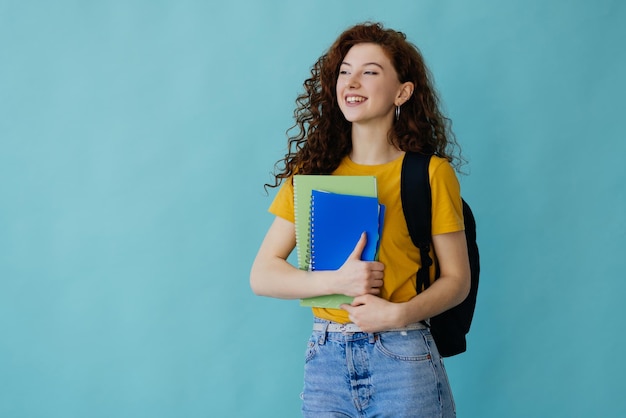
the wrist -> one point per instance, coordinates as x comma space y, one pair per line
401, 315
326, 282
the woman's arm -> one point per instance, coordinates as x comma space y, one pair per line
452, 286
272, 275
374, 314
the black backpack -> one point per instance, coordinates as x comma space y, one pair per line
448, 328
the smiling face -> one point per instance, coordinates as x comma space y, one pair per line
368, 88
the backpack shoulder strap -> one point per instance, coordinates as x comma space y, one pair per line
417, 207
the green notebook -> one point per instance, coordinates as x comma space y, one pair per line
303, 187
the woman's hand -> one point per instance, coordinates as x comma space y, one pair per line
357, 277
374, 314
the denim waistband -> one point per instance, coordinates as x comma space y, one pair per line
329, 326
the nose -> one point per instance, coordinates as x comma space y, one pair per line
353, 81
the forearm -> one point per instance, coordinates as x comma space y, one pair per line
279, 279
450, 289
445, 293
272, 275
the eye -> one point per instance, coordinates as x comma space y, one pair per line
371, 72
343, 72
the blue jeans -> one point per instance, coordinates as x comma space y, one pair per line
386, 374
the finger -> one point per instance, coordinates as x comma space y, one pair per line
377, 266
346, 307
357, 301
377, 274
378, 283
358, 248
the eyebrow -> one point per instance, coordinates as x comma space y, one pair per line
364, 65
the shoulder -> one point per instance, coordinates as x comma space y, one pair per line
283, 204
440, 167
437, 161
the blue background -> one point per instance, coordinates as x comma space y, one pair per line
135, 137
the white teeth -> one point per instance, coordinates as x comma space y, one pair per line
354, 99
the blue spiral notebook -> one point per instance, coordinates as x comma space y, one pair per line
302, 188
337, 222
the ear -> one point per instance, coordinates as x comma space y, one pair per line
405, 93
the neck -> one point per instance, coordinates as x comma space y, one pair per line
372, 147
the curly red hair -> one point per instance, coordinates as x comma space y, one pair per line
323, 135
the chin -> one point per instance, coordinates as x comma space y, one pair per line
351, 118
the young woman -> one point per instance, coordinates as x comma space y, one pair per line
368, 101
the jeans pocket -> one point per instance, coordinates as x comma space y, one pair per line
312, 347
405, 346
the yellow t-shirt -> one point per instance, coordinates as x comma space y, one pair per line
397, 252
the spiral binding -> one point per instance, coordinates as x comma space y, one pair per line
296, 212
311, 254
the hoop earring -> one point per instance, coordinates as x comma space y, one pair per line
397, 113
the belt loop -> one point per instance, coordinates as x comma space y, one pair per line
372, 338
322, 339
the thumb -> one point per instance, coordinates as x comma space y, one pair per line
358, 248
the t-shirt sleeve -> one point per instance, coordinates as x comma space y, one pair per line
282, 205
446, 196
